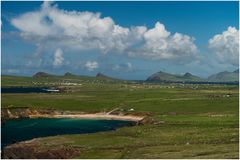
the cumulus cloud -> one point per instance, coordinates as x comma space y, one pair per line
88, 31
58, 58
225, 46
91, 65
123, 67
10, 71
160, 44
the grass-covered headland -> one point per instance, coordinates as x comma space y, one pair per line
191, 120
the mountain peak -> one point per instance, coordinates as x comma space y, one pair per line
100, 75
68, 74
187, 74
167, 77
236, 71
160, 72
225, 76
41, 74
103, 76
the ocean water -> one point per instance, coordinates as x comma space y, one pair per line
24, 90
13, 131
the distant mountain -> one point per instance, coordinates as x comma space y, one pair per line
236, 71
42, 74
167, 77
161, 76
68, 74
225, 76
189, 76
104, 77
101, 75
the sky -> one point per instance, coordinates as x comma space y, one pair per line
128, 40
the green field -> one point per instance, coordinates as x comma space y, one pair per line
195, 121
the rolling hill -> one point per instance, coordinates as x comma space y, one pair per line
225, 76
43, 75
167, 77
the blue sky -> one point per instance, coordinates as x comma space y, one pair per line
129, 40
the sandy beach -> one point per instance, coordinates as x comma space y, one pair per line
90, 116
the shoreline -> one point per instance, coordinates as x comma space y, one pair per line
19, 113
101, 116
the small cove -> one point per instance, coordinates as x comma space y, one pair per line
25, 129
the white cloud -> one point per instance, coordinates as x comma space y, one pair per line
91, 65
87, 31
58, 58
160, 44
123, 67
225, 46
129, 65
10, 71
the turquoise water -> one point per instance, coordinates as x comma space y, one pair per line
25, 129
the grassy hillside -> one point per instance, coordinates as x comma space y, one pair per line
188, 77
193, 121
167, 77
45, 79
225, 77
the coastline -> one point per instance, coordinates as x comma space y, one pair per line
19, 113
91, 116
